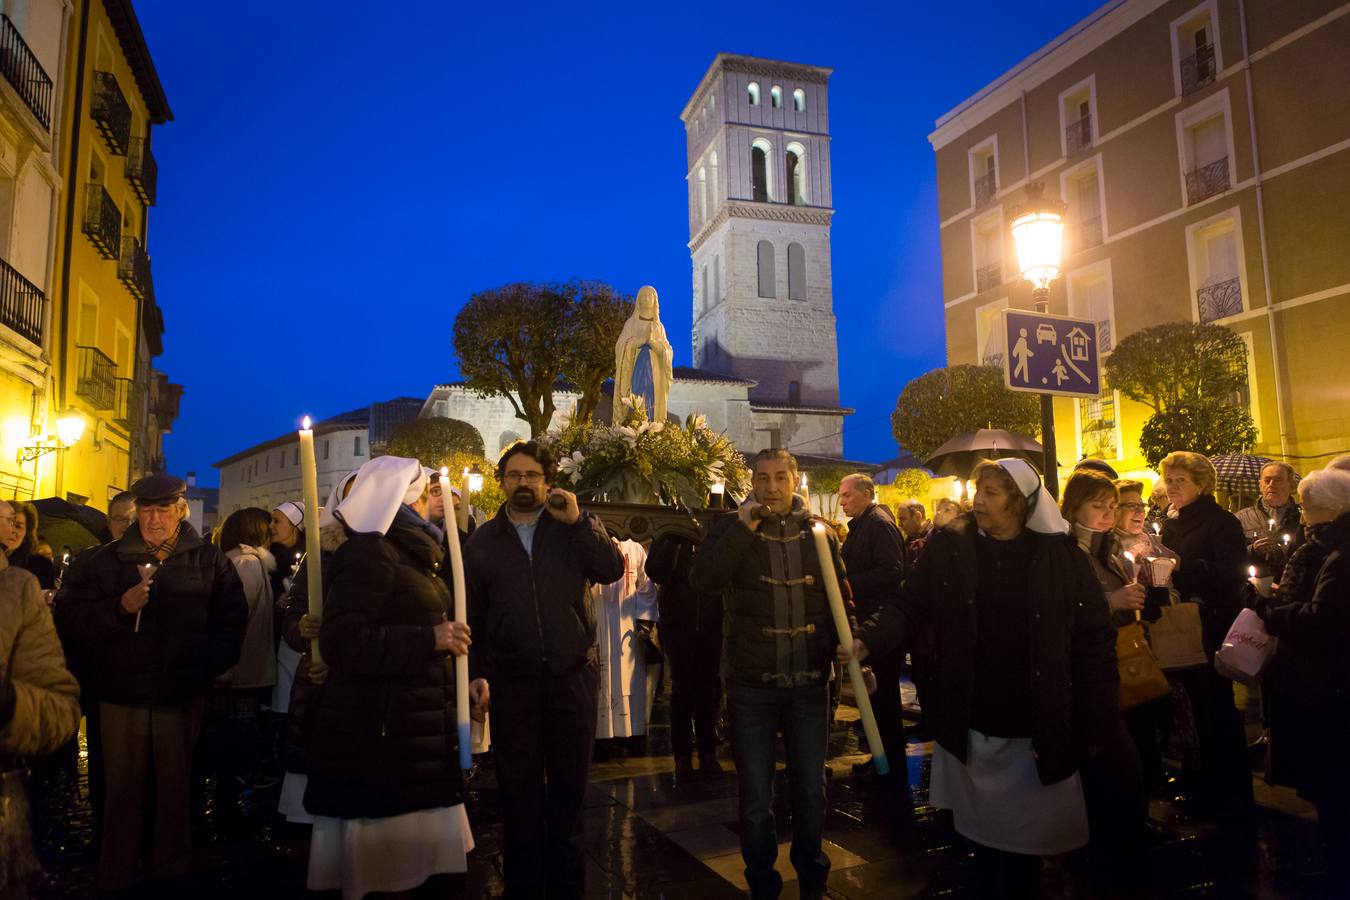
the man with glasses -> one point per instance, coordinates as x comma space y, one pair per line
527, 571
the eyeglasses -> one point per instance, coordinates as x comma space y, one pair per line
1132, 507
527, 477
10, 519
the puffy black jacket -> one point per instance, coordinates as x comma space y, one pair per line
384, 739
528, 612
686, 613
191, 630
1213, 551
874, 554
1073, 646
294, 604
745, 564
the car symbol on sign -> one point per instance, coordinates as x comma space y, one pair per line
1045, 333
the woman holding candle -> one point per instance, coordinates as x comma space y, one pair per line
1308, 680
1213, 568
1025, 686
385, 786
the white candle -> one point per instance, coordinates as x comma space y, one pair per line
845, 633
309, 494
461, 615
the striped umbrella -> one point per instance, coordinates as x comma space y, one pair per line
1239, 473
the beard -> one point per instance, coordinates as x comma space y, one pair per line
524, 499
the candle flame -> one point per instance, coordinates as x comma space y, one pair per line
1128, 555
445, 471
1286, 538
305, 423
1157, 529
1251, 571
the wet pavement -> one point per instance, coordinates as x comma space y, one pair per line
648, 837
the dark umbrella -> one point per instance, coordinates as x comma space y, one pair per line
959, 455
65, 524
1239, 473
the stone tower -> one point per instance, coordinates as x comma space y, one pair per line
760, 205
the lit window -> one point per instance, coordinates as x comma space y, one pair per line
776, 96
753, 91
796, 174
799, 100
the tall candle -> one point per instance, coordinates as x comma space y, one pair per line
465, 492
845, 633
309, 493
461, 615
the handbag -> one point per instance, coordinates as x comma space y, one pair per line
1140, 678
1177, 637
1246, 649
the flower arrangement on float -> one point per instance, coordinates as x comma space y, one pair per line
635, 460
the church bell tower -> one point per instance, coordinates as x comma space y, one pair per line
760, 205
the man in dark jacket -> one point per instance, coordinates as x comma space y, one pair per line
1273, 518
874, 553
156, 644
779, 648
527, 571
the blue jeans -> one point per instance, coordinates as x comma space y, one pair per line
756, 716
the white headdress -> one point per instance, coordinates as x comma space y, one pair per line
381, 487
1044, 516
334, 498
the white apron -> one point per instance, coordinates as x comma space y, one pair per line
391, 854
623, 670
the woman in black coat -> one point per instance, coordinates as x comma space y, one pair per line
1309, 676
385, 786
1213, 550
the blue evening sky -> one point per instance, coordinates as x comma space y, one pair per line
341, 176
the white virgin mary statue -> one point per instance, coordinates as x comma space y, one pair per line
643, 358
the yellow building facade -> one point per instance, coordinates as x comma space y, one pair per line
1203, 152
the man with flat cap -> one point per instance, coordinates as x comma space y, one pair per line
160, 613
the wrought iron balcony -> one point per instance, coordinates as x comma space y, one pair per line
986, 186
988, 277
21, 304
133, 267
1197, 70
111, 113
1219, 300
102, 222
1088, 234
164, 400
1207, 181
97, 379
142, 171
1078, 137
992, 358
128, 404
23, 71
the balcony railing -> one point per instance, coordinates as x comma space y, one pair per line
1219, 300
988, 277
1197, 70
992, 358
1088, 234
98, 377
986, 186
111, 113
102, 222
22, 70
1207, 181
142, 171
164, 401
133, 267
1078, 136
20, 304
128, 404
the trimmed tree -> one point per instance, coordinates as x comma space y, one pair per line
938, 405
598, 314
1191, 375
435, 440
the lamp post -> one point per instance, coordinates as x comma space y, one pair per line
1038, 232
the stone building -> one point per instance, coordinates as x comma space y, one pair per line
1203, 152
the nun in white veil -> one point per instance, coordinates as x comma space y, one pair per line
385, 786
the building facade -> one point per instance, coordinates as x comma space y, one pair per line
1203, 152
760, 205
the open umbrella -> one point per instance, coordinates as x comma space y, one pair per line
959, 455
65, 524
1239, 473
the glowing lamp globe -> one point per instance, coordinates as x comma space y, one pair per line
475, 479
70, 428
1038, 234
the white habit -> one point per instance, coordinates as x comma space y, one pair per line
623, 669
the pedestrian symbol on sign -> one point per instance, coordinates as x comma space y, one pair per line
1021, 352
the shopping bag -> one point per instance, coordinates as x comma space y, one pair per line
1246, 649
1140, 678
1176, 637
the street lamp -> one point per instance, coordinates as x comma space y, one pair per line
1038, 233
69, 430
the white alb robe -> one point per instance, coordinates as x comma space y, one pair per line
623, 670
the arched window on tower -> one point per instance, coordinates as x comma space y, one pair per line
761, 152
702, 195
799, 100
767, 278
796, 272
712, 179
796, 174
752, 90
776, 96
795, 393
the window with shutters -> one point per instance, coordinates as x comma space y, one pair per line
1077, 119
1197, 57
1090, 297
1218, 276
1084, 221
986, 238
989, 333
1205, 148
767, 278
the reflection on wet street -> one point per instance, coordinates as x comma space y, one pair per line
648, 837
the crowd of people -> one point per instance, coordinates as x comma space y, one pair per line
1061, 651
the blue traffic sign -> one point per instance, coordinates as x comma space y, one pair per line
1048, 354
